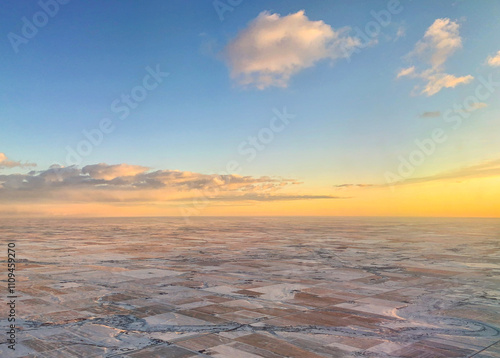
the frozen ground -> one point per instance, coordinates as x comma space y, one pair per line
255, 287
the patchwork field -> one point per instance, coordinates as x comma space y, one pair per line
254, 287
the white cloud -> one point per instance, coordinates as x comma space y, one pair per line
406, 72
6, 163
494, 61
437, 81
440, 41
272, 48
400, 33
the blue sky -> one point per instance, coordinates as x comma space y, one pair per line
353, 116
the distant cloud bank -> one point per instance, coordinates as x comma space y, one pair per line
134, 183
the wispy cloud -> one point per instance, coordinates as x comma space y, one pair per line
344, 186
482, 170
440, 41
410, 71
494, 60
400, 33
432, 114
485, 169
272, 48
272, 197
477, 105
6, 163
438, 81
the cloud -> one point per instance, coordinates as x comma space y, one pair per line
406, 72
440, 41
438, 81
272, 48
433, 114
132, 183
109, 172
345, 186
485, 169
273, 197
494, 61
400, 33
5, 163
477, 105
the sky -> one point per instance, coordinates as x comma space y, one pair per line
238, 107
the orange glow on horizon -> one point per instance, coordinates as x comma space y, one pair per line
471, 198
